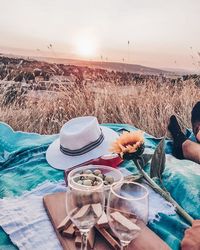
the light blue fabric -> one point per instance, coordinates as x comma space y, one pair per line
23, 166
25, 220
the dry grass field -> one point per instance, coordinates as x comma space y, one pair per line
146, 106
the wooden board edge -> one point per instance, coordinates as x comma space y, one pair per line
50, 217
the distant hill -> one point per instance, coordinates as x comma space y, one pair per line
181, 71
132, 68
116, 66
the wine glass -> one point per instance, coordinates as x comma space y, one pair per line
127, 205
85, 203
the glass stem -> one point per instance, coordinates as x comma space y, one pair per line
84, 236
124, 246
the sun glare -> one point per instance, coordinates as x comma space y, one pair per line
86, 47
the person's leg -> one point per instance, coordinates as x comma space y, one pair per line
182, 147
195, 120
196, 130
178, 137
191, 151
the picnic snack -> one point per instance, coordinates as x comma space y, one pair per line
78, 241
97, 209
108, 174
103, 221
91, 180
126, 223
81, 212
69, 230
64, 224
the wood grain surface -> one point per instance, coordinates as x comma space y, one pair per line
55, 207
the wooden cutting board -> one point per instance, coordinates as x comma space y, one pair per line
55, 207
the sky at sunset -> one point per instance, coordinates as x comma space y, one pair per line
160, 33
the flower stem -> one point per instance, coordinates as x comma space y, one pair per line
164, 194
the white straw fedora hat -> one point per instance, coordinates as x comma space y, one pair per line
81, 139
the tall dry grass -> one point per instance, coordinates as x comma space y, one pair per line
146, 106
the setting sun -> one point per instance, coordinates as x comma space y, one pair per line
86, 47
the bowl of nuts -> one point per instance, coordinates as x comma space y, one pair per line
108, 174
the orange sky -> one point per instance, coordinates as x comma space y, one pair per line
161, 33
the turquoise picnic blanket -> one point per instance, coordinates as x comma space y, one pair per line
23, 166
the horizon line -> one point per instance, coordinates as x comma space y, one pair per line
166, 69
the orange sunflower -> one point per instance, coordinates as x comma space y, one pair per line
128, 142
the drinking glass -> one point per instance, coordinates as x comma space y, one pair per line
127, 205
85, 203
